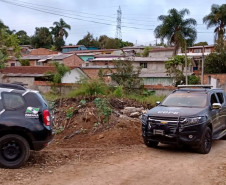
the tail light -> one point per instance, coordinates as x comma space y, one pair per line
46, 118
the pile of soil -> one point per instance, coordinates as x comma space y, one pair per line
83, 130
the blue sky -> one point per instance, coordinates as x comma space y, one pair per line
141, 14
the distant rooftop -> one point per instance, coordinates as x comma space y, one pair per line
73, 46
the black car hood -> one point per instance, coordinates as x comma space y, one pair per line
162, 111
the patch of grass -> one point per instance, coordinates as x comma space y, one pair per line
151, 100
51, 96
89, 88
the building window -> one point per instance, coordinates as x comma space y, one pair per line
38, 63
209, 79
197, 50
144, 65
12, 64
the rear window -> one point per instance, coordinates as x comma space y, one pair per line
12, 100
185, 99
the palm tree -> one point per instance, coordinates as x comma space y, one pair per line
177, 30
217, 17
59, 31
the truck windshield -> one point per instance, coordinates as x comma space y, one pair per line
185, 99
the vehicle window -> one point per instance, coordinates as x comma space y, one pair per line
213, 99
185, 99
220, 97
1, 105
12, 100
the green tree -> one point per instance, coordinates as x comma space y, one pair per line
176, 29
24, 62
3, 59
201, 44
59, 31
56, 77
175, 68
88, 41
215, 63
126, 75
23, 37
146, 51
42, 38
217, 18
8, 41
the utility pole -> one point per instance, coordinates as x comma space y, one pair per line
118, 26
186, 65
203, 60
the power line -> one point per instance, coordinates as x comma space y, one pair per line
58, 14
66, 12
75, 18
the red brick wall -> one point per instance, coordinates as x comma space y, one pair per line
102, 63
73, 60
93, 73
42, 51
221, 77
32, 62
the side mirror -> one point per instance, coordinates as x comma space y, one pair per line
216, 106
157, 103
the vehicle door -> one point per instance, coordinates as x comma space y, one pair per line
222, 111
215, 114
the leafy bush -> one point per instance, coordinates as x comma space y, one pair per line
89, 88
24, 62
118, 92
70, 112
192, 79
104, 110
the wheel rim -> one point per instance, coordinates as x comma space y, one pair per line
208, 141
11, 151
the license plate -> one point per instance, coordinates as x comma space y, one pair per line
158, 132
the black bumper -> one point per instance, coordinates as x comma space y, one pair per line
39, 145
190, 135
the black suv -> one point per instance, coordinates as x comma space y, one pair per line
25, 123
191, 115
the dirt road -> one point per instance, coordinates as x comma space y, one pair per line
114, 154
122, 165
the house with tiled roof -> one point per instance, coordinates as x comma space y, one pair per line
35, 76
45, 57
66, 49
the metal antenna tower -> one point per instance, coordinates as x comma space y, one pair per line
118, 26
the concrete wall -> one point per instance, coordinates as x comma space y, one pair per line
25, 80
73, 76
217, 80
159, 54
152, 67
166, 81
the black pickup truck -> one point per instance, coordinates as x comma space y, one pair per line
190, 115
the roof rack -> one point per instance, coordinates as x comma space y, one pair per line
195, 86
12, 86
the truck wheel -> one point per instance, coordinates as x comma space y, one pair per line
14, 151
206, 142
152, 144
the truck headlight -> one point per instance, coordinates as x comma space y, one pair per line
144, 118
195, 120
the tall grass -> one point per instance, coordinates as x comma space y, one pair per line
89, 88
97, 87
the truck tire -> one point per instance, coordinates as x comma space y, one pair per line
14, 151
151, 144
206, 142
